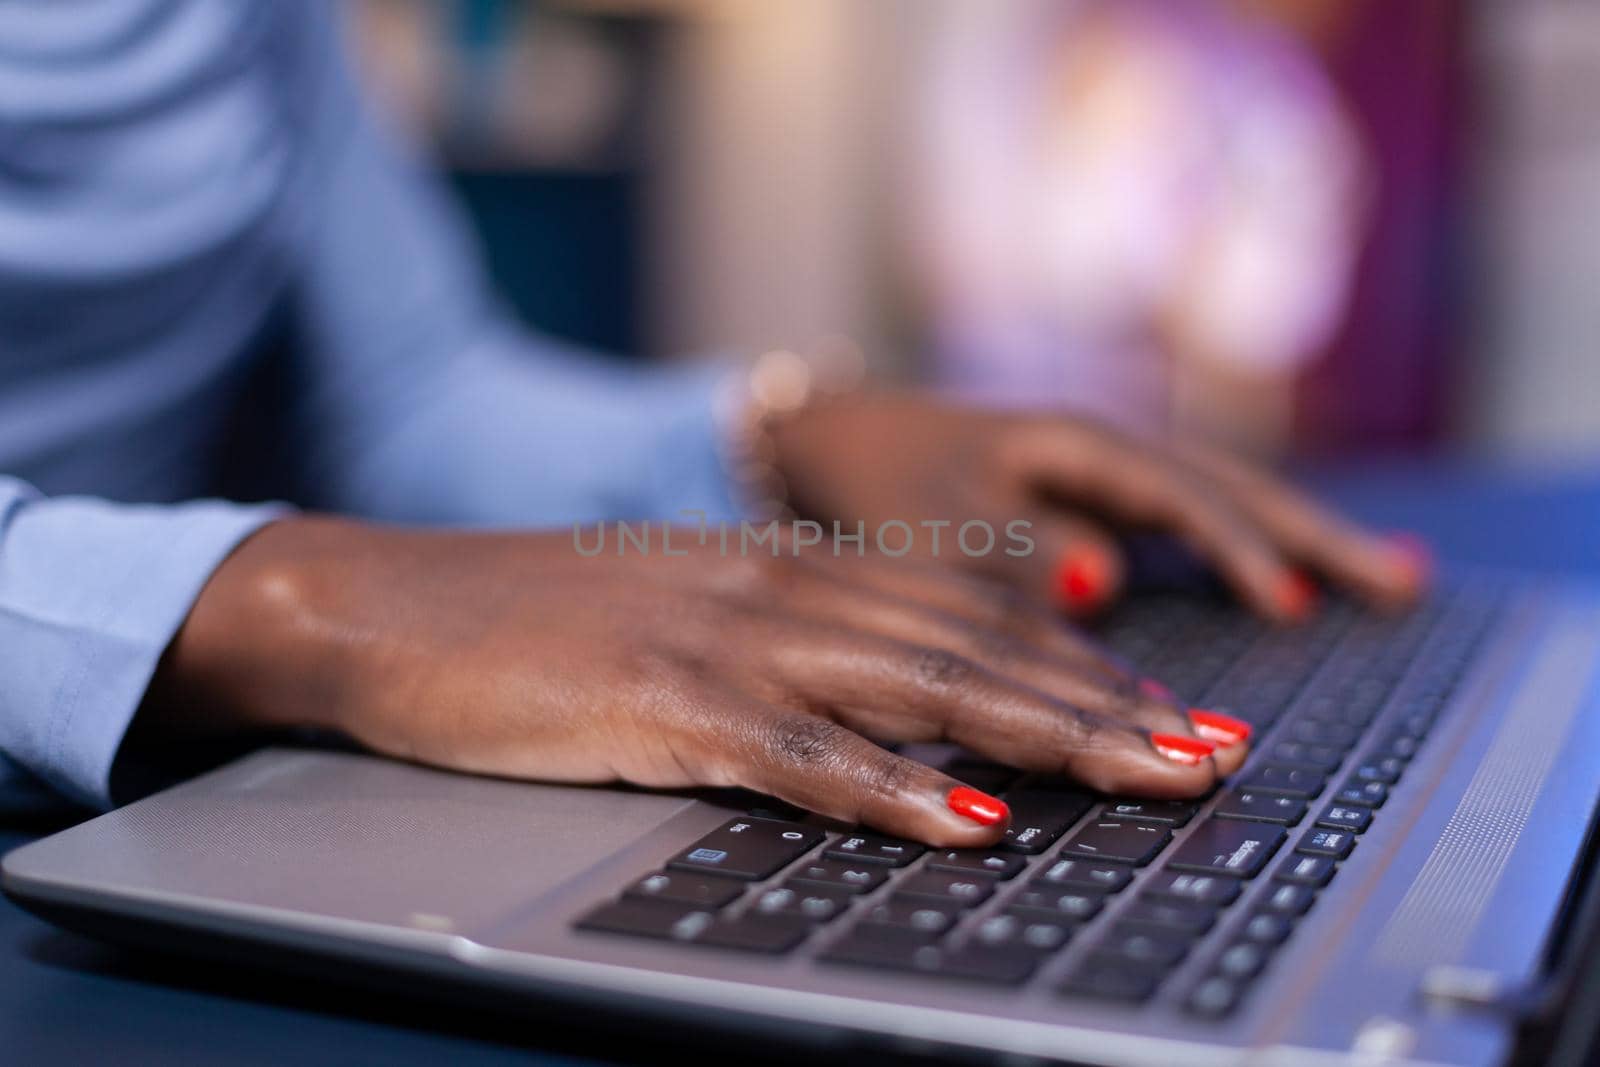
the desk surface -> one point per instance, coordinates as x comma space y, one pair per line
67, 999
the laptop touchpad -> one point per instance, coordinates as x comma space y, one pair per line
355, 837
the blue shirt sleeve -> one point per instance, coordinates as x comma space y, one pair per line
417, 397
422, 399
91, 594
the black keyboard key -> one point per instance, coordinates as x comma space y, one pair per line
973, 962
1289, 900
1358, 711
1416, 722
912, 915
1317, 732
1040, 816
1103, 976
1286, 778
748, 848
1214, 997
1282, 808
1193, 888
756, 933
705, 890
660, 919
1325, 758
874, 848
667, 921
1145, 948
1385, 769
1228, 846
863, 947
855, 877
1162, 916
978, 962
1268, 928
1243, 960
948, 887
1401, 745
1338, 817
799, 900
1059, 903
1312, 871
773, 808
1082, 874
1118, 841
1366, 793
1023, 931
1166, 812
975, 861
1335, 844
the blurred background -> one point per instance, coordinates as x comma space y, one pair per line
1309, 228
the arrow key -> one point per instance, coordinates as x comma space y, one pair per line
976, 861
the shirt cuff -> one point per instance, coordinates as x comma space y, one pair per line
690, 473
91, 595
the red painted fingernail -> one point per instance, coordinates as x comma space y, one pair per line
1296, 596
1083, 577
981, 808
1225, 730
1413, 557
1182, 749
1155, 690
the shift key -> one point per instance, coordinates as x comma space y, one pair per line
748, 848
1227, 846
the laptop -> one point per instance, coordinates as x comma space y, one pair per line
1399, 874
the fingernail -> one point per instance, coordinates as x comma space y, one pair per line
1155, 690
1083, 577
1296, 596
1225, 730
1412, 556
1181, 749
981, 808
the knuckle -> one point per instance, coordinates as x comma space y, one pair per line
941, 669
1005, 607
808, 740
1084, 730
743, 576
888, 776
1125, 694
751, 580
667, 668
1013, 604
998, 649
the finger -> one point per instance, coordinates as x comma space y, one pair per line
1391, 570
818, 764
997, 717
1075, 562
1005, 650
983, 602
1139, 486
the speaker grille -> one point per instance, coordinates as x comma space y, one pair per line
1443, 907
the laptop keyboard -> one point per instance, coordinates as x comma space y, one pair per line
1108, 898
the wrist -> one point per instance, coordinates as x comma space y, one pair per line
255, 652
758, 410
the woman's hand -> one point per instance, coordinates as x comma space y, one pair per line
884, 458
515, 655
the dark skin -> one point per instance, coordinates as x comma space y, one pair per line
511, 654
